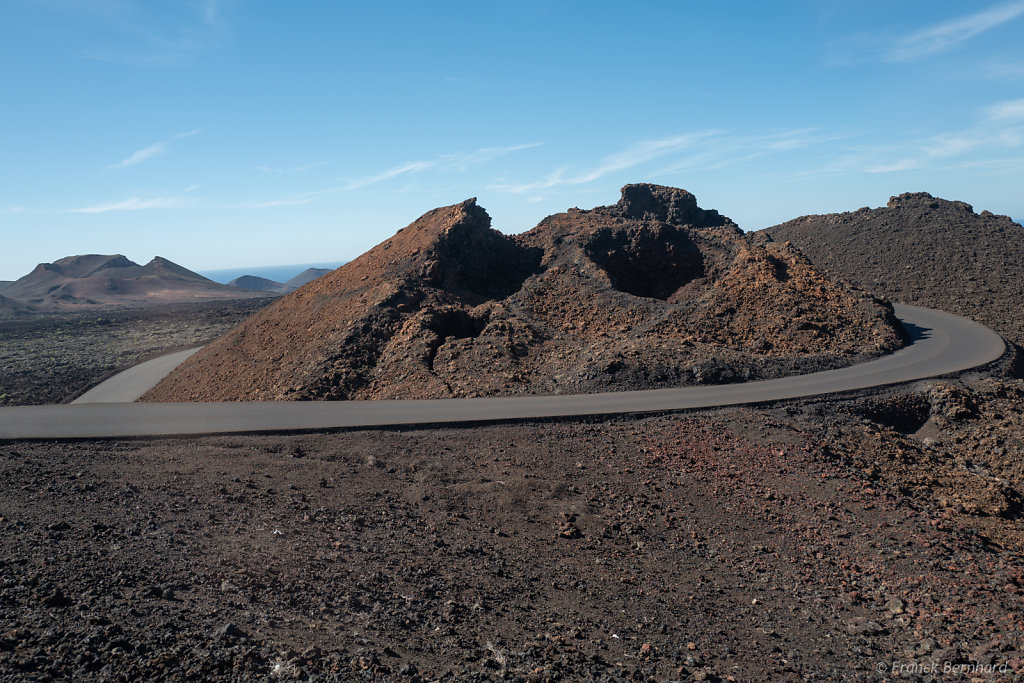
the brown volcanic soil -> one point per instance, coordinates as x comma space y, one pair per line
94, 281
652, 291
923, 250
719, 546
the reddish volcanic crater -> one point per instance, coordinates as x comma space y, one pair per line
651, 291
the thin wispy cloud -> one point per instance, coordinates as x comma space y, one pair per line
450, 162
12, 209
1004, 165
154, 150
637, 154
458, 161
138, 33
887, 46
999, 128
297, 200
210, 11
408, 167
138, 156
290, 170
1004, 71
135, 204
633, 155
1007, 111
729, 149
895, 167
705, 150
190, 133
941, 37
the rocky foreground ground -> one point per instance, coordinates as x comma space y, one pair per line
775, 544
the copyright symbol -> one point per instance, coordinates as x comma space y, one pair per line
881, 667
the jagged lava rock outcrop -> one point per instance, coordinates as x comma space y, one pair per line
923, 250
652, 291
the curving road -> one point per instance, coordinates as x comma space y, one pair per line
943, 344
131, 384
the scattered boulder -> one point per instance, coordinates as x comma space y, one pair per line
229, 630
57, 599
951, 402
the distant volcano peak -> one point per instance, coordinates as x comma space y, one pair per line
101, 280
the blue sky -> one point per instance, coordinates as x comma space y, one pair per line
225, 133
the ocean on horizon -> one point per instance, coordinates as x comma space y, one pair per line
275, 273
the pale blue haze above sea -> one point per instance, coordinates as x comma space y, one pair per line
275, 273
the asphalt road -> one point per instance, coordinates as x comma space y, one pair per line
131, 384
943, 344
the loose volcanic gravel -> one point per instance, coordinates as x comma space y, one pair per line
725, 545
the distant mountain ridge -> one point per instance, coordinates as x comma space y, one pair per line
262, 284
259, 284
105, 280
275, 273
308, 275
